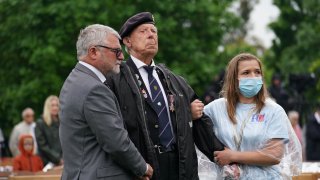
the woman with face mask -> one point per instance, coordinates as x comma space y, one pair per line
260, 140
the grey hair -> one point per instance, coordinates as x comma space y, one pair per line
24, 112
93, 35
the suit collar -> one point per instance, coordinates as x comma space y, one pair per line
94, 70
86, 70
131, 64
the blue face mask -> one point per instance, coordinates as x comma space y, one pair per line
250, 87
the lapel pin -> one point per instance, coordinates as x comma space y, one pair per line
144, 93
171, 103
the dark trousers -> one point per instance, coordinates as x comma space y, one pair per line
169, 165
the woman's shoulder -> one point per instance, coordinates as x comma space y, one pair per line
216, 102
272, 105
40, 123
216, 105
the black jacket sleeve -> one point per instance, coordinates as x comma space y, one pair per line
203, 134
204, 137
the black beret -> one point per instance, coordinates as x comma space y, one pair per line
134, 21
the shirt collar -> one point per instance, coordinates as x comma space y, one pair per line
139, 63
94, 70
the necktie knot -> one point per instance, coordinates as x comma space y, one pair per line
149, 69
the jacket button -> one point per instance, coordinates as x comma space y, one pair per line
156, 126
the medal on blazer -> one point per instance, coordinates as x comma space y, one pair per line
144, 93
171, 102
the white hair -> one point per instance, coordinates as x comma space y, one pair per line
93, 35
25, 111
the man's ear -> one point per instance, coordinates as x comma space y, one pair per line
126, 41
93, 52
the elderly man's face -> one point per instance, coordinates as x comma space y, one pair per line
143, 41
29, 116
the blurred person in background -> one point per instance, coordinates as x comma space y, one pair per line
278, 92
47, 132
26, 126
27, 160
294, 119
214, 89
2, 144
313, 135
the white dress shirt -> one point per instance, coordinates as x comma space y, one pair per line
144, 75
95, 70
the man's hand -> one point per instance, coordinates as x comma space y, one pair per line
148, 174
196, 109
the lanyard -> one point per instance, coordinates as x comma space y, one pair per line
237, 138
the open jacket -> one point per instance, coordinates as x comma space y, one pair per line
140, 119
48, 141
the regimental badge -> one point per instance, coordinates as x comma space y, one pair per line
171, 102
152, 18
155, 88
144, 93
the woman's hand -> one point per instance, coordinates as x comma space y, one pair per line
224, 157
270, 154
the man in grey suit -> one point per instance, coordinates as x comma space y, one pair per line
94, 142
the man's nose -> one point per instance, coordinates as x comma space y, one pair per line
121, 57
150, 33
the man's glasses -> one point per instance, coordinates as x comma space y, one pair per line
117, 51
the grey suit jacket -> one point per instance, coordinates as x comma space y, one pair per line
94, 142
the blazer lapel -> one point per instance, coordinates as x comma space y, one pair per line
141, 85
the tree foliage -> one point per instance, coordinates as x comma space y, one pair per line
38, 43
295, 51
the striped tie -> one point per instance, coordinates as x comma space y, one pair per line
165, 128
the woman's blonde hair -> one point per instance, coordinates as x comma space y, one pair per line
230, 89
47, 109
